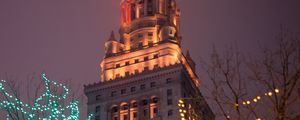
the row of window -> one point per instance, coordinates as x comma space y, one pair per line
142, 87
137, 60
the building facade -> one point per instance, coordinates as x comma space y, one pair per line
144, 74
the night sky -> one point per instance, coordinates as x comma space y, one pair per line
65, 38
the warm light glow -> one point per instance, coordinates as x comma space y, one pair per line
270, 93
255, 100
258, 98
258, 119
248, 102
180, 101
244, 103
276, 90
182, 115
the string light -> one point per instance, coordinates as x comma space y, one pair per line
47, 106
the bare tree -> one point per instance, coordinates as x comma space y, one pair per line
225, 71
275, 73
279, 72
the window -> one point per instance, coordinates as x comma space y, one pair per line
169, 80
145, 112
155, 110
132, 89
150, 7
135, 115
118, 75
136, 61
123, 91
146, 58
98, 97
170, 112
156, 66
150, 34
127, 63
115, 109
125, 107
113, 93
155, 56
170, 102
117, 65
125, 117
152, 84
134, 105
145, 102
136, 71
155, 100
146, 68
143, 86
140, 44
140, 35
98, 108
169, 92
127, 73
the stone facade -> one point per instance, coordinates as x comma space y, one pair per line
145, 75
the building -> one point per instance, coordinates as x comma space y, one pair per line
144, 74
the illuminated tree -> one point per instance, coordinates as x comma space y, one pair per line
49, 105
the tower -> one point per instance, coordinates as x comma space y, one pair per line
144, 74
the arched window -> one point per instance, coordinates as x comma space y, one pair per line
114, 112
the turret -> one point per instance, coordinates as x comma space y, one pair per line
111, 45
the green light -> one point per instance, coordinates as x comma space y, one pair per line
47, 106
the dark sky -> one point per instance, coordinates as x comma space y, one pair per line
66, 38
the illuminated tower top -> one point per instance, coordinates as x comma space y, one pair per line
149, 39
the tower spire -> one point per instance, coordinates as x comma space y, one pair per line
112, 36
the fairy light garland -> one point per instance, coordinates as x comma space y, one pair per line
47, 106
